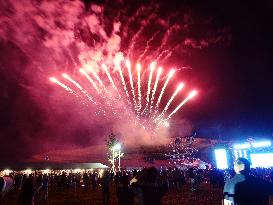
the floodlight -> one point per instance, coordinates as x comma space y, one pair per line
262, 160
261, 144
221, 158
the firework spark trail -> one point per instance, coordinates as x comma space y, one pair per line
180, 86
79, 87
128, 65
152, 122
104, 88
68, 89
191, 95
165, 40
84, 92
162, 53
169, 53
97, 77
113, 84
139, 86
131, 19
71, 56
137, 34
95, 86
133, 41
117, 65
102, 84
159, 71
82, 71
152, 67
110, 79
140, 11
171, 73
147, 46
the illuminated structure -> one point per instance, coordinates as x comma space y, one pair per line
116, 153
221, 158
259, 153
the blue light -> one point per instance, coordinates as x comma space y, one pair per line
221, 158
261, 144
241, 146
262, 160
253, 144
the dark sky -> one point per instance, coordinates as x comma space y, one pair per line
233, 75
241, 104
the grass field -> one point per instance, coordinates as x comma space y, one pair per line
205, 196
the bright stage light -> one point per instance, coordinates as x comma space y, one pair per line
241, 146
262, 160
253, 144
221, 158
261, 144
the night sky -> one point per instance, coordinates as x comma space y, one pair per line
241, 103
229, 55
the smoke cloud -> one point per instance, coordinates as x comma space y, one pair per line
39, 39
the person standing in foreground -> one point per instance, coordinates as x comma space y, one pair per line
106, 188
147, 187
244, 189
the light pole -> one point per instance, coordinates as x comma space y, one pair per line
116, 147
119, 160
113, 164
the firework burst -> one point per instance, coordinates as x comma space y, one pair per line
112, 98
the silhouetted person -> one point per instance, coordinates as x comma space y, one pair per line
134, 172
86, 181
44, 188
105, 183
27, 193
63, 181
148, 189
94, 181
244, 189
124, 193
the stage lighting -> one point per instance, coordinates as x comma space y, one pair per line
261, 144
241, 146
262, 160
221, 158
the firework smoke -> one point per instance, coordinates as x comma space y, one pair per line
48, 38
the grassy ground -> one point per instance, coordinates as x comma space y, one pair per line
205, 196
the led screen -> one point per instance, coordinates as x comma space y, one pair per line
221, 158
262, 160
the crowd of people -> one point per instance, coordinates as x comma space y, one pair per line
147, 186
